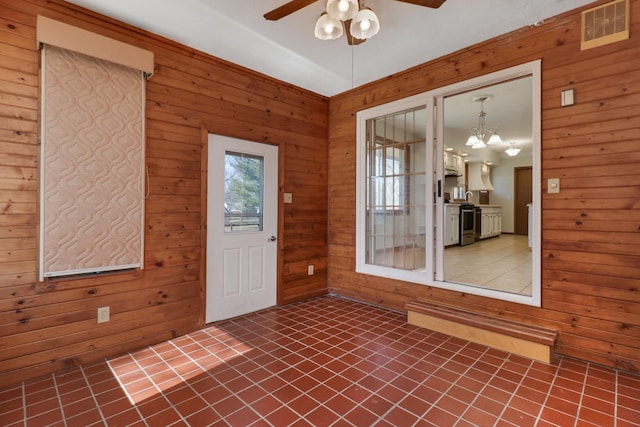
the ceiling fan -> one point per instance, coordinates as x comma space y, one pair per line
332, 30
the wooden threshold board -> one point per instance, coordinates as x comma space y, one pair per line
525, 340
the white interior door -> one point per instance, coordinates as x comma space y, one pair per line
242, 225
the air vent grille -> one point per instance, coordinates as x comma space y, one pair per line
605, 24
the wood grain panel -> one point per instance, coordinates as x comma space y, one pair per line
48, 326
591, 230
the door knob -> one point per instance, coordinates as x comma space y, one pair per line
272, 238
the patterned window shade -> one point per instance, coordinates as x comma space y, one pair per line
92, 165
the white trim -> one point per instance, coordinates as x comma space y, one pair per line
434, 115
43, 74
91, 270
219, 304
143, 167
361, 131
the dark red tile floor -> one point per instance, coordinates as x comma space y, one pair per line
326, 361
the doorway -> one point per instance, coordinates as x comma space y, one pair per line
522, 199
242, 225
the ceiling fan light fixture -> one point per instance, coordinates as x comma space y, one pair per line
328, 28
342, 10
365, 25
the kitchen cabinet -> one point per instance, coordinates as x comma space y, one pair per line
450, 162
451, 224
453, 163
491, 221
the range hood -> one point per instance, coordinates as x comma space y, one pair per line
451, 172
479, 177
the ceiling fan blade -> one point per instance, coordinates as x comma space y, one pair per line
287, 9
351, 41
426, 3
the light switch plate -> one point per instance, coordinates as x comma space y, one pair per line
553, 185
288, 198
567, 98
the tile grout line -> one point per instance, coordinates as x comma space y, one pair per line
157, 387
331, 346
123, 388
183, 381
93, 395
548, 394
615, 399
304, 359
55, 384
379, 351
513, 394
584, 387
204, 370
484, 387
442, 394
419, 383
24, 403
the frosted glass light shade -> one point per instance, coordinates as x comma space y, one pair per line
512, 150
479, 144
473, 140
328, 28
342, 9
495, 139
365, 24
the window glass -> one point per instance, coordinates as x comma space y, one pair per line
394, 209
243, 192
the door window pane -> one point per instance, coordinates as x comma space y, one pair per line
243, 192
395, 191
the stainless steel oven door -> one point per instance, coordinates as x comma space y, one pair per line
467, 225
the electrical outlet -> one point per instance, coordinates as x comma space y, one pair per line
310, 270
103, 314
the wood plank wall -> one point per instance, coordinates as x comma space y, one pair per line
591, 230
48, 326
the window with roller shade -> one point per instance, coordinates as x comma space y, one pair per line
92, 164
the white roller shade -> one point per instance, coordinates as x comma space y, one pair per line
92, 165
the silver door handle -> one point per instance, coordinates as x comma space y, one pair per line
273, 239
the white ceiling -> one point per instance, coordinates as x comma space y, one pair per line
236, 31
509, 111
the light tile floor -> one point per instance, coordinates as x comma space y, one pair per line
502, 263
322, 362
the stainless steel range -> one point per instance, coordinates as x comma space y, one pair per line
467, 224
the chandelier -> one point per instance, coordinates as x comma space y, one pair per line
479, 135
512, 150
362, 22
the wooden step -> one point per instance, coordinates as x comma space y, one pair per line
523, 339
